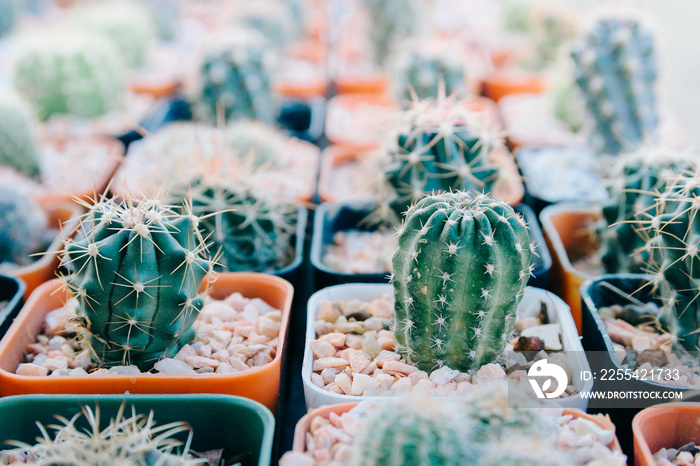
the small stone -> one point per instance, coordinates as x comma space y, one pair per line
31, 370
328, 375
417, 376
657, 358
205, 370
351, 327
371, 347
185, 352
550, 334
268, 327
424, 385
198, 362
204, 351
443, 376
252, 350
323, 328
685, 457
517, 375
490, 372
324, 363
358, 360
584, 426
261, 359
525, 344
344, 382
62, 372
336, 339
295, 458
55, 343
329, 312
402, 385
250, 313
173, 367
641, 343
57, 363
359, 315
103, 371
224, 368
78, 372
385, 380
354, 341
125, 370
317, 380
322, 349
397, 366
385, 356
525, 322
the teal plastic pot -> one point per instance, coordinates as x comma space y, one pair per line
242, 426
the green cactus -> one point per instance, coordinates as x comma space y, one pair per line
673, 229
235, 80
615, 68
271, 18
70, 72
390, 21
126, 23
636, 181
136, 273
441, 146
18, 139
8, 13
421, 66
459, 272
24, 226
249, 232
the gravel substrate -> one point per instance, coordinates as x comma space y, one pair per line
356, 251
687, 455
232, 335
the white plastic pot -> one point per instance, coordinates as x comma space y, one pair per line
558, 312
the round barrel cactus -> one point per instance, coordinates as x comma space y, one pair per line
18, 139
24, 226
459, 273
136, 272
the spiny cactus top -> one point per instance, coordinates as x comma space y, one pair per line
18, 139
616, 70
441, 145
673, 226
136, 270
635, 184
127, 23
70, 72
459, 272
235, 79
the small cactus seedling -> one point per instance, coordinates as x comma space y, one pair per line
615, 68
390, 21
459, 272
636, 182
133, 440
24, 226
441, 146
18, 143
136, 273
235, 79
70, 72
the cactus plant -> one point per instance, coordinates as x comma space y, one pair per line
420, 66
235, 79
70, 72
615, 68
8, 12
635, 183
24, 226
271, 18
390, 21
459, 272
441, 146
136, 273
18, 144
126, 23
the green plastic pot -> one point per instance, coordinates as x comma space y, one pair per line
242, 426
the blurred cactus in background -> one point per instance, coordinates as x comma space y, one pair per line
23, 230
8, 13
390, 21
18, 135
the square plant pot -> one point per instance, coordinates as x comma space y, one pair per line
243, 427
567, 231
291, 272
333, 218
558, 313
595, 295
12, 295
668, 425
261, 384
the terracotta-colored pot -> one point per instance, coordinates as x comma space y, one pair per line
302, 89
99, 184
156, 88
302, 427
668, 425
350, 83
568, 233
502, 82
261, 384
64, 217
344, 112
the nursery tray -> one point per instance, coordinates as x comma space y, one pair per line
243, 427
315, 396
11, 290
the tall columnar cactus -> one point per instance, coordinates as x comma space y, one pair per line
389, 21
616, 70
635, 183
249, 232
441, 146
70, 72
136, 272
126, 23
18, 139
235, 80
420, 66
673, 227
459, 272
413, 433
23, 229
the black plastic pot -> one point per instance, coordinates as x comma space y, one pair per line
244, 428
164, 111
11, 290
291, 272
332, 218
597, 342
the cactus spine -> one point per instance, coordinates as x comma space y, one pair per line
136, 273
459, 272
18, 145
441, 146
615, 68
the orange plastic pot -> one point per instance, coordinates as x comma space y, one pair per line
61, 215
568, 233
157, 88
261, 384
502, 82
361, 83
344, 111
302, 427
302, 89
668, 425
